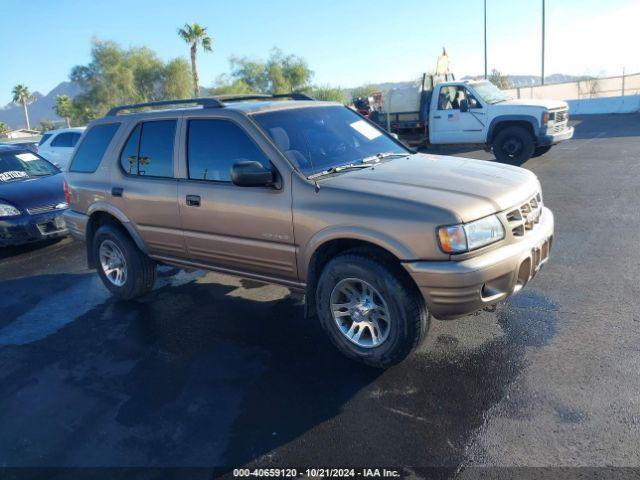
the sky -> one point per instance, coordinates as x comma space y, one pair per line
345, 42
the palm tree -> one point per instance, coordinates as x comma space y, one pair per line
64, 108
21, 94
4, 128
195, 35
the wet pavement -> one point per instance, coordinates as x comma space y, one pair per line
210, 370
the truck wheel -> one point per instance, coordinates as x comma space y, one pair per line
539, 151
370, 311
513, 145
124, 269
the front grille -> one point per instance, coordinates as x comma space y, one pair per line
46, 208
524, 218
561, 116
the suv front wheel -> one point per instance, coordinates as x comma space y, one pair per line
124, 269
370, 310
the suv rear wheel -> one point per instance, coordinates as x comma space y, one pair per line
369, 310
513, 145
123, 268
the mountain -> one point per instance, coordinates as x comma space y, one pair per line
40, 109
532, 80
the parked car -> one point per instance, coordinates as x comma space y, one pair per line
57, 145
31, 197
33, 146
312, 196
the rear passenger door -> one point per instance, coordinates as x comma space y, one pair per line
145, 188
246, 229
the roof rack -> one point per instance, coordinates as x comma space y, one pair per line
258, 96
205, 102
210, 102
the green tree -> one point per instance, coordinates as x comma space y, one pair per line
46, 125
177, 79
117, 76
225, 86
280, 73
4, 128
21, 94
327, 93
196, 35
64, 108
499, 80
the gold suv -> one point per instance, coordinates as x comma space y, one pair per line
312, 196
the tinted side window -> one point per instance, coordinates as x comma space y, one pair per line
129, 155
44, 138
149, 150
64, 139
91, 150
75, 136
213, 146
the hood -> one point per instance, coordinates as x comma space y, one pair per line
33, 192
534, 102
470, 189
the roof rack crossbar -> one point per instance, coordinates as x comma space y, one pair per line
205, 102
259, 96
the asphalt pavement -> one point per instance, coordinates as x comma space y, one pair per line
214, 371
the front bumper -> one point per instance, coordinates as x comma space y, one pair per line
32, 228
551, 138
453, 289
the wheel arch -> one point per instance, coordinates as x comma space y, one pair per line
328, 246
500, 123
101, 214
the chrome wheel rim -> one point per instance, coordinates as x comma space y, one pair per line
360, 313
113, 263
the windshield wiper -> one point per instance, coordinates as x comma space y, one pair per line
339, 168
381, 156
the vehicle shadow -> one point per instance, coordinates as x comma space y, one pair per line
213, 375
12, 251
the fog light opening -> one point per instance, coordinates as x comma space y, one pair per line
524, 273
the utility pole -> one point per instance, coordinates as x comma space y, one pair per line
543, 2
485, 39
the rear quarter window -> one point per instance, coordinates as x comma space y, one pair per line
92, 149
44, 138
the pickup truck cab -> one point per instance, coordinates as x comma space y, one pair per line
312, 196
477, 112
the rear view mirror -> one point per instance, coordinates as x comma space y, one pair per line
464, 105
249, 173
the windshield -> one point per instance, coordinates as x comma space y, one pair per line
317, 139
23, 164
490, 93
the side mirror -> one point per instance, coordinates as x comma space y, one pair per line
249, 173
464, 105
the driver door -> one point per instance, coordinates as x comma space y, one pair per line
245, 229
448, 124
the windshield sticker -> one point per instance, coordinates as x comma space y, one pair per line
365, 129
12, 175
26, 157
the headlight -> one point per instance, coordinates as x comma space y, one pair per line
469, 236
8, 210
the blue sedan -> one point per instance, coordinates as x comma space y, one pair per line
32, 197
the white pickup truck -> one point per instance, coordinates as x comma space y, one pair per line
474, 112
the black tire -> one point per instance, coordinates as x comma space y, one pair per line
409, 318
140, 269
539, 151
513, 145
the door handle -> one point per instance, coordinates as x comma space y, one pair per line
193, 200
117, 191
436, 116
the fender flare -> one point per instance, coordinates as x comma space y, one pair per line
122, 218
346, 232
533, 121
